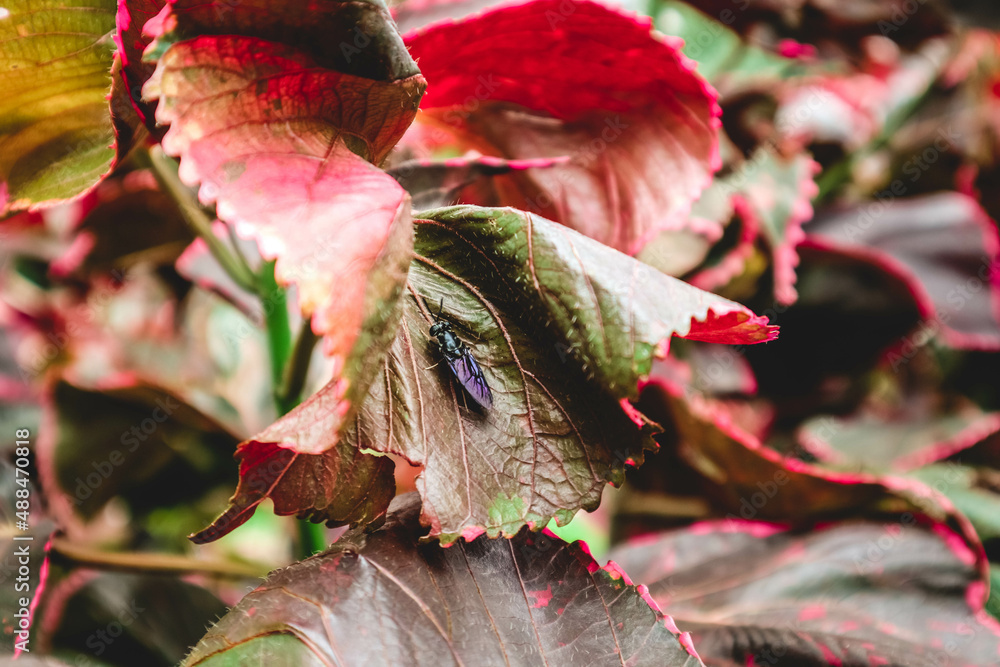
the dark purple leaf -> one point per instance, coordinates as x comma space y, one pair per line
731, 473
385, 598
904, 591
944, 246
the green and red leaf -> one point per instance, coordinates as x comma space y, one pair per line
564, 329
779, 192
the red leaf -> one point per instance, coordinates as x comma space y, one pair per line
549, 79
341, 486
735, 327
131, 42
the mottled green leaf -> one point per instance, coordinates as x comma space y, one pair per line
563, 327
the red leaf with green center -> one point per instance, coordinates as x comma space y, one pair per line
549, 79
770, 197
386, 599
779, 192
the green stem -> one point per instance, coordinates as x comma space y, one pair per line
165, 171
279, 335
146, 563
294, 379
312, 538
289, 367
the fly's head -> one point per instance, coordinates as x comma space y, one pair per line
439, 328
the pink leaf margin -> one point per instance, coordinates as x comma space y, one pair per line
979, 430
918, 492
614, 572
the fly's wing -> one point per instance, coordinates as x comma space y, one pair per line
470, 375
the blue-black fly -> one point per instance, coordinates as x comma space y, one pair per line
460, 360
